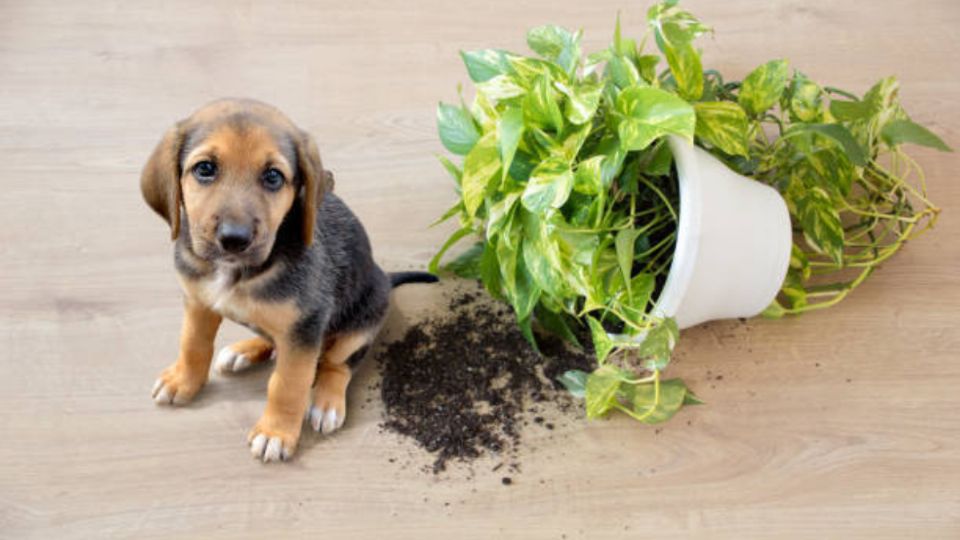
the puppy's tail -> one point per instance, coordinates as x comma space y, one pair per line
401, 278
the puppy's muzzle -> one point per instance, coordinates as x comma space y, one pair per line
234, 237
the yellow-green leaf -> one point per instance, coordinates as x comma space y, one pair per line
549, 185
724, 125
601, 391
479, 167
763, 87
650, 113
653, 405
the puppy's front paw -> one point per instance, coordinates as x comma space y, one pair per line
176, 386
243, 355
268, 442
329, 409
327, 414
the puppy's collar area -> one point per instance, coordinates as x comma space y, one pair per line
228, 274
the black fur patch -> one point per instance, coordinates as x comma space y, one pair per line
308, 331
354, 360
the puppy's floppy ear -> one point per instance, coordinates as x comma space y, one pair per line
315, 182
160, 179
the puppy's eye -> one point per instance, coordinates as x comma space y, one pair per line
272, 179
205, 171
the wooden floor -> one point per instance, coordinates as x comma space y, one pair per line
841, 424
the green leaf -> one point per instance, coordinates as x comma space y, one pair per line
582, 101
763, 87
828, 168
674, 31
650, 113
434, 266
527, 292
454, 171
613, 157
882, 97
549, 185
501, 87
773, 311
509, 132
528, 69
490, 270
683, 59
819, 220
556, 44
587, 179
467, 264
540, 105
458, 133
838, 134
507, 251
691, 399
794, 290
573, 142
618, 46
598, 57
660, 163
479, 167
557, 323
800, 262
600, 391
724, 125
897, 132
637, 296
500, 213
651, 406
579, 247
602, 344
539, 265
486, 64
658, 344
647, 65
624, 243
522, 165
484, 112
575, 381
622, 72
805, 100
452, 211
850, 111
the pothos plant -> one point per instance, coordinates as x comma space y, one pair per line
568, 187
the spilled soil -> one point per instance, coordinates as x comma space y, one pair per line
465, 384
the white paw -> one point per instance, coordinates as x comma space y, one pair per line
228, 361
268, 449
167, 395
325, 420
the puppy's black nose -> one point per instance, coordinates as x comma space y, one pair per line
234, 237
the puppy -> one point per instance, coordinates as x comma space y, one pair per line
261, 239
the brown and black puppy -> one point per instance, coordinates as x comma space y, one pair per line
261, 240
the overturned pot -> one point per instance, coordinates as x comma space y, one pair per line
733, 242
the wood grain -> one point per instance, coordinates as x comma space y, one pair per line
841, 424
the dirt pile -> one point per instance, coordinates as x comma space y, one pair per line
464, 384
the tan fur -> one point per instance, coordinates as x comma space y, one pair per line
288, 393
333, 375
166, 184
241, 157
160, 179
255, 349
275, 319
185, 377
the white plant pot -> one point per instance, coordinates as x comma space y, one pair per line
733, 242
